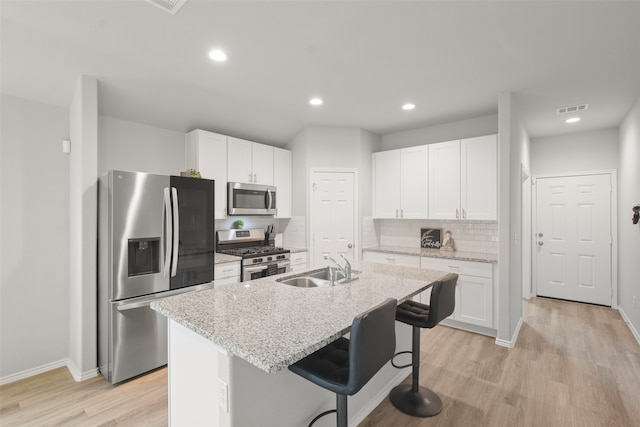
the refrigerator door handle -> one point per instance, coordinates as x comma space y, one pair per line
176, 231
166, 242
134, 305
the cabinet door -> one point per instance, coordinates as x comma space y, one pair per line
444, 180
474, 300
414, 178
262, 164
386, 184
282, 181
239, 158
207, 153
479, 177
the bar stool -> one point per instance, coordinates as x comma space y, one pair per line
346, 365
412, 399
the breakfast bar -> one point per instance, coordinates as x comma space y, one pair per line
229, 347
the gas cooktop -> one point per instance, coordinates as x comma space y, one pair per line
254, 251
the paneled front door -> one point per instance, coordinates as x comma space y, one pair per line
573, 235
332, 217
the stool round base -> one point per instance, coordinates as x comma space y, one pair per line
423, 403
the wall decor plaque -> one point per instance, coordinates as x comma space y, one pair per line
430, 238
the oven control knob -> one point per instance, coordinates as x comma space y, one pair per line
256, 260
269, 258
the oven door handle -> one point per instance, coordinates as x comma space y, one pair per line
254, 269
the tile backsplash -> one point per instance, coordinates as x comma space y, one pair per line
469, 236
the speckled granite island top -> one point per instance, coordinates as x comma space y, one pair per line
272, 325
434, 253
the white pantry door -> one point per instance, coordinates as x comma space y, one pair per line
333, 221
573, 235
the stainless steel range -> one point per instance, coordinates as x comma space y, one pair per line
259, 257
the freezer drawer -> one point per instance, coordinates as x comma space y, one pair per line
138, 340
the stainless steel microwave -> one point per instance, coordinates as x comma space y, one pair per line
250, 199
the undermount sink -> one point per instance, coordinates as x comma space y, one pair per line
317, 278
305, 282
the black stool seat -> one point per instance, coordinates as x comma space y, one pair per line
413, 399
346, 365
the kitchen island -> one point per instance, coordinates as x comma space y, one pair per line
229, 347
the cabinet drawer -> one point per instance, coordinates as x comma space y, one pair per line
469, 268
227, 269
393, 259
298, 258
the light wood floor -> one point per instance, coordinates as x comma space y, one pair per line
574, 365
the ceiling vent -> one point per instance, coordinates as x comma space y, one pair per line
572, 108
171, 6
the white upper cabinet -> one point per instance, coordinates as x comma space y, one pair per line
444, 180
282, 182
463, 179
386, 184
479, 177
414, 179
206, 152
400, 181
249, 162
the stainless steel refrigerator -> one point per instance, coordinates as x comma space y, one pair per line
156, 238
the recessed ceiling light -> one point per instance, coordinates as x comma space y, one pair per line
573, 120
315, 101
218, 55
408, 106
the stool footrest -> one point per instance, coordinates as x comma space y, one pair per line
398, 354
321, 415
422, 403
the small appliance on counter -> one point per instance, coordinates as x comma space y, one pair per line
259, 257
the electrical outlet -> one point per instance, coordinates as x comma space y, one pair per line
223, 395
634, 301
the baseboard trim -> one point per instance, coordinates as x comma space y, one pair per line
482, 330
79, 376
633, 329
510, 343
33, 371
379, 397
75, 373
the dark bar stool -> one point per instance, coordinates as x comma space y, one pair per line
412, 399
346, 365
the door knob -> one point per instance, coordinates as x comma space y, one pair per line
349, 245
540, 243
540, 234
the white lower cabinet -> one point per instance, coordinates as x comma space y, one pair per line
393, 259
298, 261
226, 273
474, 290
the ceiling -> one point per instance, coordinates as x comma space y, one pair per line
364, 58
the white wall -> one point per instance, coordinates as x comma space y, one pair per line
83, 229
125, 145
34, 237
478, 126
332, 147
575, 152
629, 234
36, 318
513, 153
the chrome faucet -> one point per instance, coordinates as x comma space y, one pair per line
346, 270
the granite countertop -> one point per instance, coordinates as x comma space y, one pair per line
296, 250
222, 258
435, 253
272, 325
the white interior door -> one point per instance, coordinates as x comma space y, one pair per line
573, 234
332, 219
